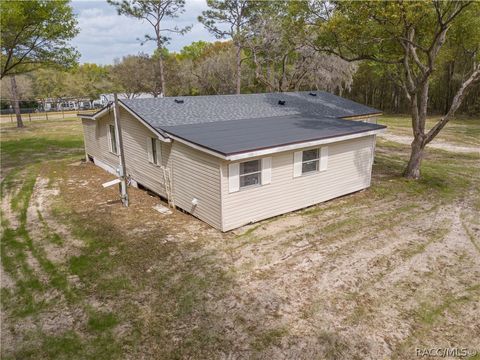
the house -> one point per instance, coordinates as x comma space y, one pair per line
104, 99
231, 160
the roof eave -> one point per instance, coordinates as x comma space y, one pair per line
101, 112
361, 116
275, 149
162, 136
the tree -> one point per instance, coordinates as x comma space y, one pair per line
49, 83
15, 88
88, 81
215, 70
134, 74
154, 12
407, 39
283, 59
230, 19
35, 34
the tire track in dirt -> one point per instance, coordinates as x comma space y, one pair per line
299, 280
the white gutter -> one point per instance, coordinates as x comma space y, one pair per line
277, 149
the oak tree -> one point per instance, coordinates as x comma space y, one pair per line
407, 38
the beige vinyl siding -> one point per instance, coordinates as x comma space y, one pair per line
349, 170
197, 175
89, 133
96, 141
135, 136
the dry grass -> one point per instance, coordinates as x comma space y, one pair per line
371, 275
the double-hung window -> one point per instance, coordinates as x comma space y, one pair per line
112, 139
250, 173
310, 161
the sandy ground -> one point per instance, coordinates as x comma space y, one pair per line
359, 290
436, 144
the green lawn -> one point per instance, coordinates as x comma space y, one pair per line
463, 131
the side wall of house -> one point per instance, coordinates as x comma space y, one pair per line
135, 136
196, 175
349, 170
96, 143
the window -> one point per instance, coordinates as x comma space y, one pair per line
250, 173
154, 151
310, 161
113, 139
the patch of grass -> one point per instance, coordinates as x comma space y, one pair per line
65, 346
17, 243
69, 345
428, 313
101, 321
445, 176
461, 131
269, 338
334, 347
39, 141
114, 286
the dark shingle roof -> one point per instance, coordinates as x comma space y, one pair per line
260, 121
160, 112
233, 137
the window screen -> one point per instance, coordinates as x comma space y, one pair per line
250, 173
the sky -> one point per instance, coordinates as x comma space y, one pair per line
105, 36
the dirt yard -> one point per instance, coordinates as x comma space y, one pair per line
373, 275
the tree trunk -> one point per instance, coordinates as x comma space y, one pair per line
413, 168
238, 77
162, 76
448, 93
15, 101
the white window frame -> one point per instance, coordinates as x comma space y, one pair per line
234, 177
316, 160
240, 175
112, 140
322, 162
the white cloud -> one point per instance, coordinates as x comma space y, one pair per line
105, 36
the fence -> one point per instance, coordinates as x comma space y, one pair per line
8, 115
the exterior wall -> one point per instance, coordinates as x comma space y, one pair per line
197, 175
96, 143
135, 136
204, 177
372, 119
349, 170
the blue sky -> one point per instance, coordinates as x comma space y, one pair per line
105, 36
